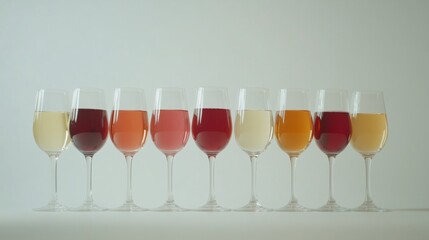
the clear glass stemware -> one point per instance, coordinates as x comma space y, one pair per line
170, 128
294, 132
128, 130
253, 130
211, 130
51, 134
89, 129
332, 133
369, 122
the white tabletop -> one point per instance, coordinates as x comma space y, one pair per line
404, 224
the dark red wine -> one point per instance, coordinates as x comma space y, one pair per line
332, 131
88, 130
211, 129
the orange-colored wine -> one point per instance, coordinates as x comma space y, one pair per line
128, 130
293, 130
369, 132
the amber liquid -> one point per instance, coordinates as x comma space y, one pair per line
369, 132
293, 130
128, 130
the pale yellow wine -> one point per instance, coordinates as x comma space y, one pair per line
369, 132
253, 130
50, 131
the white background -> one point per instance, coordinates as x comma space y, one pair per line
375, 45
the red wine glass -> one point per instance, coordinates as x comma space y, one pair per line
88, 131
211, 130
332, 133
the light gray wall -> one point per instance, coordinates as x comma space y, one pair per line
381, 45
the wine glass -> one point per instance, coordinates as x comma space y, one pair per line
332, 133
369, 123
51, 134
169, 129
253, 130
128, 131
294, 131
211, 130
88, 130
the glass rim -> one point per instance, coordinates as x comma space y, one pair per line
300, 90
130, 88
212, 88
75, 102
52, 89
368, 91
58, 90
89, 89
170, 89
255, 88
333, 90
41, 94
181, 101
281, 99
294, 89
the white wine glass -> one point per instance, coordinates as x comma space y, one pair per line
253, 130
128, 131
51, 134
332, 133
89, 129
294, 132
369, 123
169, 129
211, 130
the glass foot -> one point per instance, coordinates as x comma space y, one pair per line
169, 207
293, 206
331, 206
52, 207
88, 207
253, 206
129, 207
212, 206
369, 206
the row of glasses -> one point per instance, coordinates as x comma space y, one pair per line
254, 127
366, 129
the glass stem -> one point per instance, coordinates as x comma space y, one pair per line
170, 198
129, 161
331, 179
89, 198
253, 178
368, 179
54, 191
293, 198
212, 197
